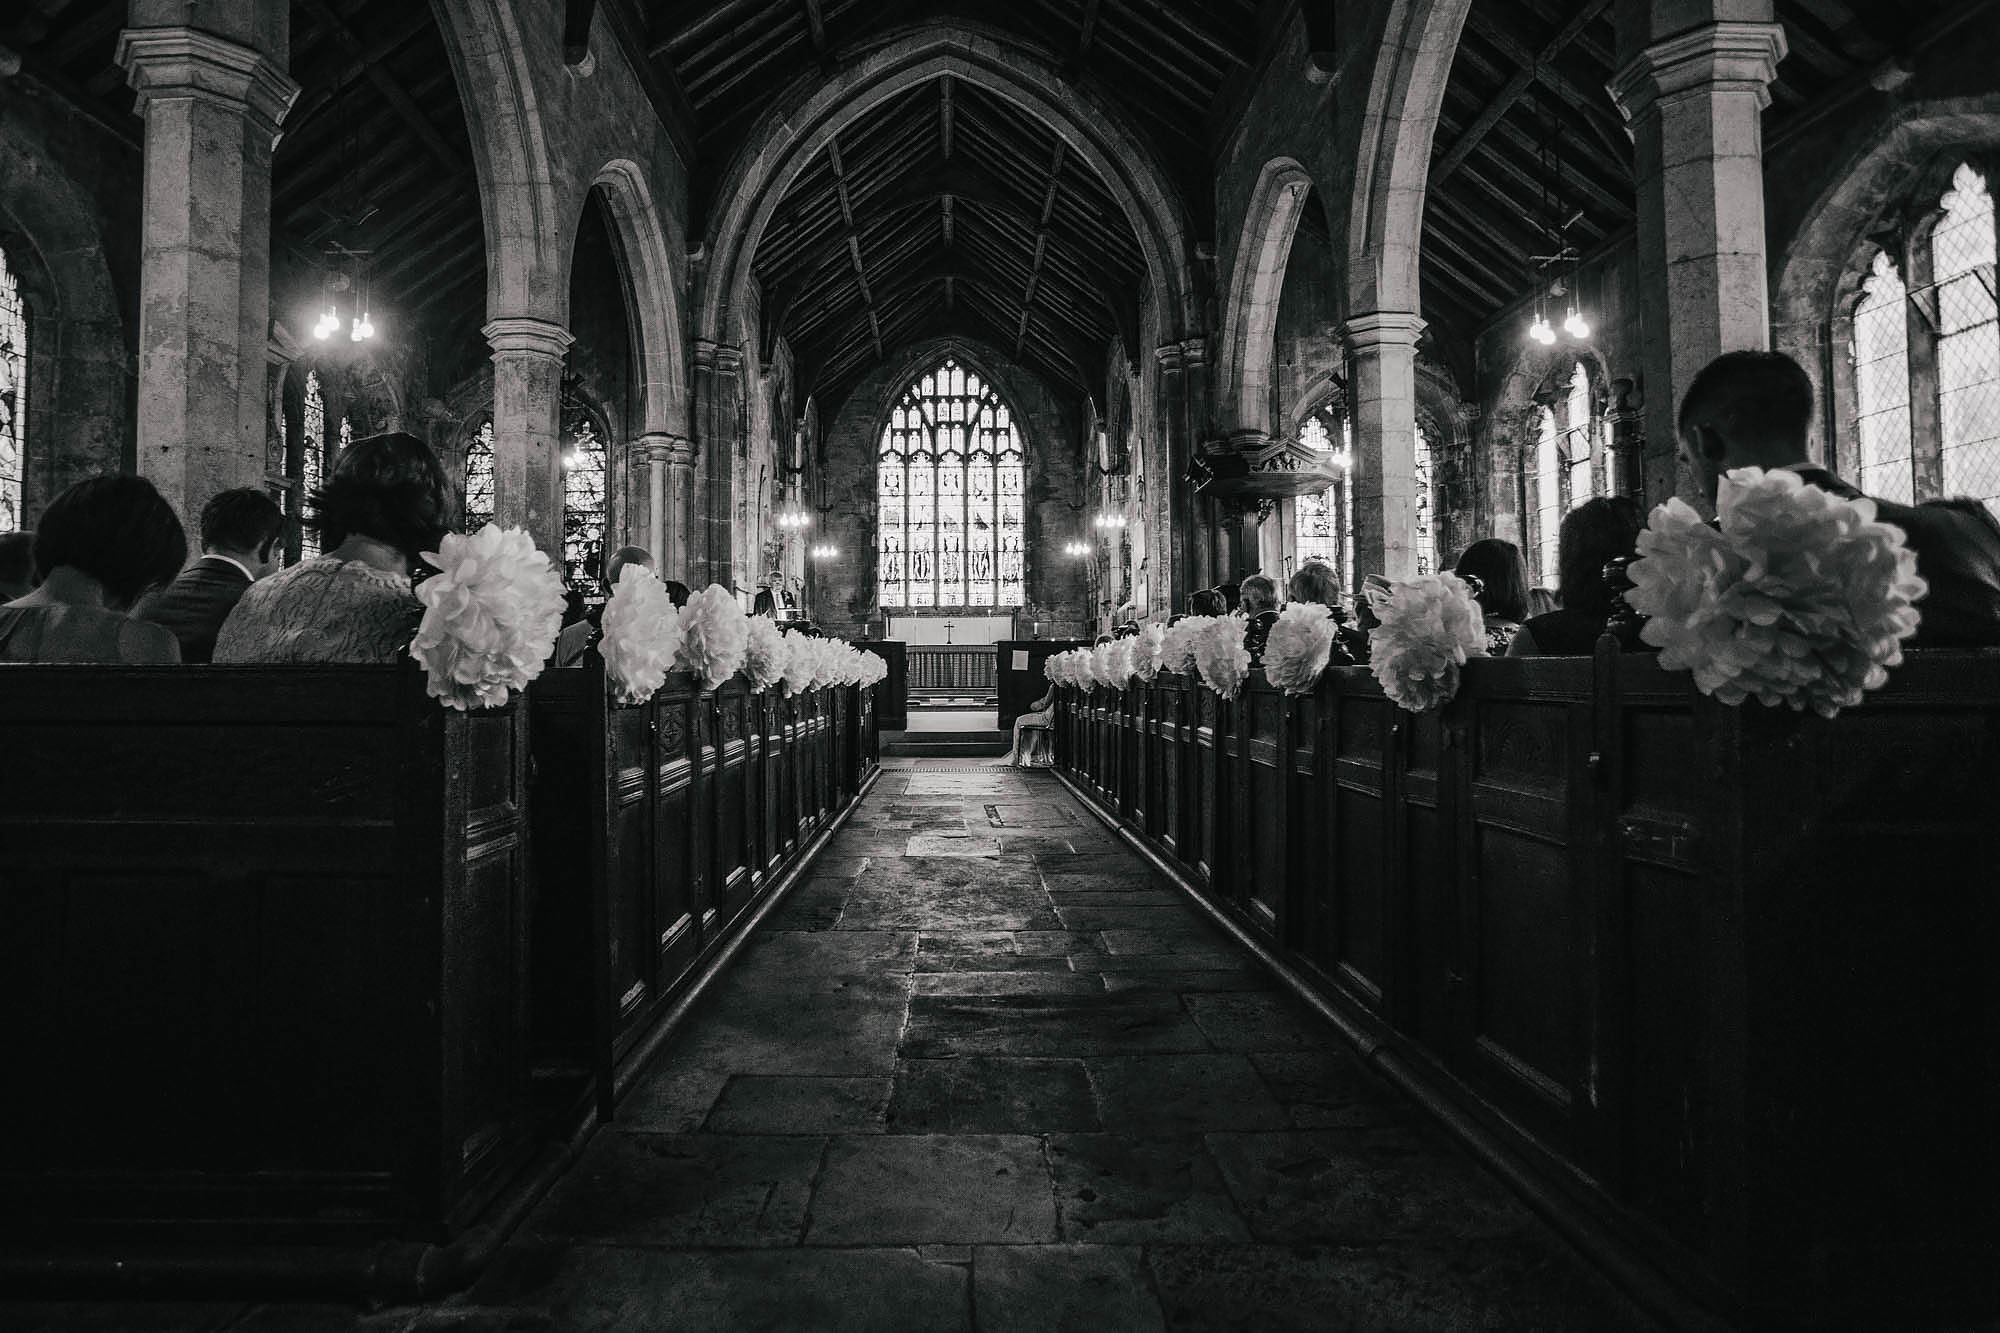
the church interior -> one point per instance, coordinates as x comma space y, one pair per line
979, 380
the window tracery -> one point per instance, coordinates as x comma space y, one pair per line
13, 398
479, 478
1323, 522
585, 507
312, 461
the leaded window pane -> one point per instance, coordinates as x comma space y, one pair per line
1548, 494
1968, 348
1425, 536
1577, 440
950, 497
13, 398
312, 459
479, 479
585, 488
1882, 383
1323, 523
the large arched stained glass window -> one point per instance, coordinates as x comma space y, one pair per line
479, 479
1968, 339
950, 489
1324, 522
1882, 382
585, 487
13, 398
312, 459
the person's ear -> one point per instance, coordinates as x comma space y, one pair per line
1708, 444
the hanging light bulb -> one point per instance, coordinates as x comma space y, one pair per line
328, 322
1576, 326
1540, 330
363, 328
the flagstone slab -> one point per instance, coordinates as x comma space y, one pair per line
961, 1189
991, 1095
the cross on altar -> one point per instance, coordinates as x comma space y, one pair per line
947, 630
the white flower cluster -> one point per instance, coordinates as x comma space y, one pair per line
642, 633
1298, 646
715, 636
491, 615
765, 654
1149, 652
1219, 653
1076, 669
1177, 652
1430, 626
814, 664
1798, 596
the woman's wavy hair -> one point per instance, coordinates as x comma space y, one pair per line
1503, 579
390, 487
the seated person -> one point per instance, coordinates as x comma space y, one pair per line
1315, 581
1034, 734
17, 565
386, 503
1365, 619
576, 637
1593, 533
1540, 602
1206, 602
239, 539
103, 544
1260, 604
1232, 596
1753, 409
1500, 582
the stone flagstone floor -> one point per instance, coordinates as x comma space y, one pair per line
983, 1071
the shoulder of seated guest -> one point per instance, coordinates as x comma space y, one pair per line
142, 643
1523, 643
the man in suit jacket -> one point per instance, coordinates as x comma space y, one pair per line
239, 540
1753, 409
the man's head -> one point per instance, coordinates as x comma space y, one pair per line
243, 524
1260, 594
615, 563
1745, 409
17, 565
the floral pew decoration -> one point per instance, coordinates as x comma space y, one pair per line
491, 616
1220, 655
641, 635
1177, 647
1299, 646
715, 636
1149, 652
1430, 627
1795, 596
766, 654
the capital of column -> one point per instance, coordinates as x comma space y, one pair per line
1722, 57
526, 335
1381, 328
673, 450
1179, 355
183, 62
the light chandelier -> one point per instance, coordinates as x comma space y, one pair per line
825, 552
1555, 273
1111, 521
793, 519
354, 280
1076, 548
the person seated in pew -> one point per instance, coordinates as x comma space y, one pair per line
17, 565
387, 502
1232, 596
102, 545
239, 540
1315, 581
1593, 533
1206, 602
1540, 602
1365, 619
1500, 581
576, 638
1754, 409
1260, 603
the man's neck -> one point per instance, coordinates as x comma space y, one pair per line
240, 559
368, 551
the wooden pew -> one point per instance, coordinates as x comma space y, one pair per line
262, 952
1719, 977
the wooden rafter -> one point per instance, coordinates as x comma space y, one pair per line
1510, 92
853, 241
392, 92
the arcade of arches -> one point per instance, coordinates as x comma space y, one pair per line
1209, 287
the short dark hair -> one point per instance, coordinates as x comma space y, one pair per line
677, 593
243, 519
389, 487
1206, 602
1593, 533
1232, 594
1503, 579
116, 529
1262, 589
1315, 581
17, 557
1751, 395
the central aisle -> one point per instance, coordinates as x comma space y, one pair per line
983, 1068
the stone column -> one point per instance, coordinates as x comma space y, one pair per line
718, 413
673, 504
1626, 417
1382, 403
212, 98
1694, 98
1182, 416
527, 426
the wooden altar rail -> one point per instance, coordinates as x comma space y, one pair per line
953, 669
311, 986
1720, 980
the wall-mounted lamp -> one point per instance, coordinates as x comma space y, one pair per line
825, 553
793, 519
1108, 521
1076, 548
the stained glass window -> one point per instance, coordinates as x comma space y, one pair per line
1882, 383
1324, 522
1548, 492
1578, 440
1968, 345
479, 479
1425, 537
13, 398
312, 460
950, 490
584, 508
346, 432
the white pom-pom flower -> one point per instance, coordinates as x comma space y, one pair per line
765, 653
1149, 652
1103, 667
1430, 627
1219, 653
642, 633
1799, 597
491, 615
1297, 649
799, 664
1178, 652
715, 636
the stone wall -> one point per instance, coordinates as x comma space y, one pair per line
841, 594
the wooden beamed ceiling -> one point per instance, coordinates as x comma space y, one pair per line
1530, 76
375, 157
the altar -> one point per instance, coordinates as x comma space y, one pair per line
945, 628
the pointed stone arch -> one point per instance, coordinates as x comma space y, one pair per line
656, 303
1256, 282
